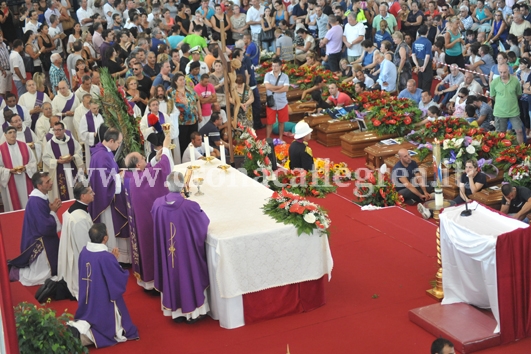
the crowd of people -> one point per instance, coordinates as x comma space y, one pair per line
172, 59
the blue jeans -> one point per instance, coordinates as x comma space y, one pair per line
445, 96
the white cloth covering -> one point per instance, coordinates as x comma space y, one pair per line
468, 251
50, 164
274, 254
73, 238
20, 179
59, 102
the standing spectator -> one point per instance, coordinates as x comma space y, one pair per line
5, 67
238, 23
382, 34
401, 60
207, 95
284, 46
268, 31
353, 35
109, 9
33, 24
189, 108
53, 10
505, 90
144, 82
384, 15
16, 66
277, 84
300, 10
413, 21
453, 44
253, 18
251, 49
322, 22
422, 56
57, 73
108, 37
97, 38
333, 43
57, 34
387, 77
162, 78
84, 15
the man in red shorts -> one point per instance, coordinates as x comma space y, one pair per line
277, 84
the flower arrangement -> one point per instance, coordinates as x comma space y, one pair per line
494, 142
423, 150
448, 128
456, 151
256, 162
289, 208
302, 183
520, 174
282, 153
379, 191
336, 171
392, 116
512, 155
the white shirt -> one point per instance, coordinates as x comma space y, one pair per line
58, 42
203, 69
15, 61
198, 152
109, 8
84, 14
351, 33
31, 26
253, 15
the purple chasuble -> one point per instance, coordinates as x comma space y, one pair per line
102, 283
69, 104
38, 103
181, 272
102, 170
39, 231
141, 194
61, 181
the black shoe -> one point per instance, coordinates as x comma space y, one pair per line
126, 265
152, 292
194, 320
410, 202
180, 319
74, 331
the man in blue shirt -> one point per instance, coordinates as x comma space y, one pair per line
409, 181
388, 74
421, 55
251, 50
206, 10
411, 91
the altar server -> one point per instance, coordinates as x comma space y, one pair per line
143, 184
17, 165
74, 236
102, 317
181, 272
32, 100
62, 158
64, 104
40, 243
109, 205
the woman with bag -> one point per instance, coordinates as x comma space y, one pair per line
267, 36
32, 61
218, 80
46, 45
244, 112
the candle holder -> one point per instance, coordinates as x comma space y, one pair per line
198, 182
209, 158
193, 167
224, 167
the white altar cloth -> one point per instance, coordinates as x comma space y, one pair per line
468, 250
247, 251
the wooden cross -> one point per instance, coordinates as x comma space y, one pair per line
228, 92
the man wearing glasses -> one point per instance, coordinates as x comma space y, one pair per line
144, 82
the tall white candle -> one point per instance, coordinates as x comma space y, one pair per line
222, 152
207, 146
192, 153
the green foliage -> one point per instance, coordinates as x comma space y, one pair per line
40, 331
302, 183
118, 114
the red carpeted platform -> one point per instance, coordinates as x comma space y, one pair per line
470, 329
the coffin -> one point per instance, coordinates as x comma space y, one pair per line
451, 191
293, 95
314, 120
489, 197
375, 154
329, 133
298, 113
353, 144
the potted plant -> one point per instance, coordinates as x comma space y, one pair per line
40, 331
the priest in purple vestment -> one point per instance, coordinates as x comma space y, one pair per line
102, 317
181, 272
143, 184
109, 206
40, 243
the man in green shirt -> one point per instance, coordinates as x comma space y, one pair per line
384, 15
506, 90
194, 39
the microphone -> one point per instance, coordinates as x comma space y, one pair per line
466, 212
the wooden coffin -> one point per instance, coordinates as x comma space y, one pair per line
489, 197
354, 143
451, 190
314, 120
329, 133
426, 165
375, 154
298, 113
293, 95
